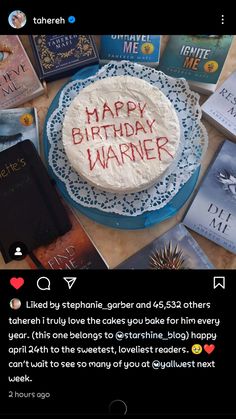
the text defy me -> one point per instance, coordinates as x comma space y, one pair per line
132, 124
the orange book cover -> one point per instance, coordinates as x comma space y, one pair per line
74, 250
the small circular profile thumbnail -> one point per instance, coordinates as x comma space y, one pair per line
15, 303
17, 19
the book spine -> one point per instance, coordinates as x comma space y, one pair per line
35, 261
30, 65
37, 129
92, 241
36, 58
96, 59
218, 126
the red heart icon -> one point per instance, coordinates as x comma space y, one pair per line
17, 282
209, 348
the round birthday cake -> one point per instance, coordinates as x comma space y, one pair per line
121, 134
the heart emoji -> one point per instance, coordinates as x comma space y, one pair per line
17, 282
209, 348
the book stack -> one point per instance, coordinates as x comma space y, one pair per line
31, 211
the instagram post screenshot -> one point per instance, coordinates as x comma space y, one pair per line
117, 211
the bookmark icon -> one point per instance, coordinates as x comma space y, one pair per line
219, 281
70, 280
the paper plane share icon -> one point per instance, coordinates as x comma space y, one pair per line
70, 280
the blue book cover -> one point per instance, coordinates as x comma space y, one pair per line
18, 125
197, 58
138, 48
58, 56
176, 249
213, 211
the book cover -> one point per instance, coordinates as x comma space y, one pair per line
176, 249
30, 211
220, 108
58, 56
74, 250
197, 58
18, 125
213, 210
18, 81
139, 48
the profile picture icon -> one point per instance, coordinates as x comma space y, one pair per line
17, 19
15, 303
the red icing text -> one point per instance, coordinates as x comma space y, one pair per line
120, 132
149, 149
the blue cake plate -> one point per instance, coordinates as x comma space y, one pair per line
148, 218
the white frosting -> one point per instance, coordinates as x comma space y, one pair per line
121, 134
